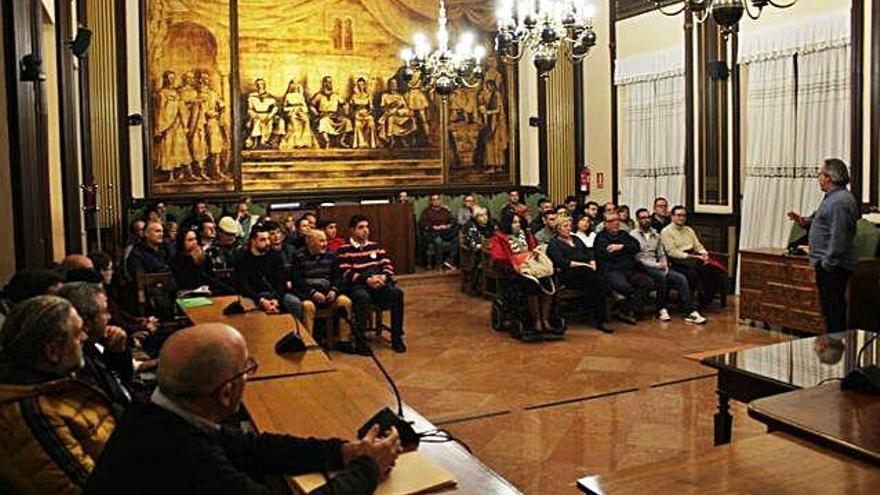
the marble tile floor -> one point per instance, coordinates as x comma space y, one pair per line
545, 414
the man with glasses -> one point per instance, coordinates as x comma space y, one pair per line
177, 436
690, 257
653, 259
616, 251
832, 241
660, 217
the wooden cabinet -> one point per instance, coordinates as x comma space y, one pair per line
780, 289
392, 225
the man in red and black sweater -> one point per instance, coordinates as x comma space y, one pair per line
368, 278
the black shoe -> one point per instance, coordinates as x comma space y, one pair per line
362, 349
398, 346
346, 347
604, 327
552, 336
628, 317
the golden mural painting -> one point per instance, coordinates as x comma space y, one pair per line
308, 96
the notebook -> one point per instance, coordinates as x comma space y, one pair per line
414, 473
194, 302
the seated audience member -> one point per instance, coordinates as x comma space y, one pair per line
477, 233
660, 217
689, 257
207, 234
289, 227
548, 231
511, 246
54, 427
591, 209
607, 209
571, 204
616, 251
585, 231
276, 242
402, 197
537, 224
108, 361
626, 222
26, 284
303, 227
516, 206
170, 239
368, 278
196, 216
312, 218
317, 280
190, 267
148, 256
243, 217
137, 327
135, 231
79, 267
439, 226
177, 440
466, 212
329, 226
260, 276
653, 259
226, 250
576, 267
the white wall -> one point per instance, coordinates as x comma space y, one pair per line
597, 106
528, 136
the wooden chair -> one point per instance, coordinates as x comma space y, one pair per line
328, 316
466, 261
490, 275
147, 282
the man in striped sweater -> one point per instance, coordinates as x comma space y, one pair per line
368, 278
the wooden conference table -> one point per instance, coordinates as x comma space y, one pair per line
304, 395
841, 420
774, 463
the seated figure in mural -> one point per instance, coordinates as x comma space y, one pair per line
262, 114
170, 130
207, 133
364, 122
295, 124
331, 111
418, 103
493, 140
396, 122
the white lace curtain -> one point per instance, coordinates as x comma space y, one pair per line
797, 109
653, 116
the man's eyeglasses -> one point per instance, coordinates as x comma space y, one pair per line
250, 367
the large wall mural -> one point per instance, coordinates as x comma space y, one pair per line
307, 96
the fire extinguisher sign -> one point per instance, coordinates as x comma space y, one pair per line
585, 180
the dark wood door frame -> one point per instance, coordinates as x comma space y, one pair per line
70, 181
543, 139
28, 135
857, 95
612, 47
875, 104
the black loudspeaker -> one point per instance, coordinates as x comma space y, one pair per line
80, 44
718, 70
30, 68
135, 120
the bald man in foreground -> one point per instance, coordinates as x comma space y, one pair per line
175, 445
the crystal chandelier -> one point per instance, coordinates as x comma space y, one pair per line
444, 70
725, 13
542, 26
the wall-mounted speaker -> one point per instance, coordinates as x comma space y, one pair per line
80, 44
534, 122
30, 68
718, 70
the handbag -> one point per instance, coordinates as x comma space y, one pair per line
539, 266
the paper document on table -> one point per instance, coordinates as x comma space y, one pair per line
194, 302
413, 474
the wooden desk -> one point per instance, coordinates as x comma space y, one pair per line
842, 420
763, 371
261, 332
392, 225
337, 404
779, 289
771, 464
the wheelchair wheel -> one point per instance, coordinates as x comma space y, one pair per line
516, 329
497, 317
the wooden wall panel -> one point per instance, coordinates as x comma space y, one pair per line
561, 131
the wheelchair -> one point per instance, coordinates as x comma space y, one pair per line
510, 314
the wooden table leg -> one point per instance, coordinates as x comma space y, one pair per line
723, 419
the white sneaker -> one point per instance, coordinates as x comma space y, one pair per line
664, 315
695, 317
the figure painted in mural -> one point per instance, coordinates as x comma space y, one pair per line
364, 122
208, 140
295, 124
332, 120
397, 122
188, 95
170, 131
418, 103
464, 129
262, 114
494, 138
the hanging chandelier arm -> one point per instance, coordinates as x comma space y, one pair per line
757, 15
780, 5
659, 5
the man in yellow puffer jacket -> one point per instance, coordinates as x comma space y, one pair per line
52, 427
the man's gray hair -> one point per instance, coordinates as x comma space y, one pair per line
31, 325
480, 210
836, 171
84, 297
211, 363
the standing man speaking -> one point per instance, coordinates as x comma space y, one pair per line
832, 241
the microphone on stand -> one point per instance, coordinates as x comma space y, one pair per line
386, 418
235, 307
